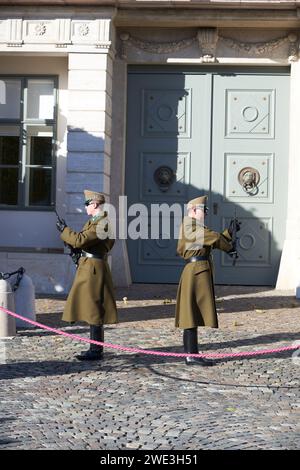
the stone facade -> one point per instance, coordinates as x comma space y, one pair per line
94, 45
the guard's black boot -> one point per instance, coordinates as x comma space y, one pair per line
190, 344
95, 353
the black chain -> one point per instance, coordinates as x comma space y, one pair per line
19, 273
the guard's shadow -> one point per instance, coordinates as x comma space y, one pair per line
113, 362
257, 303
4, 441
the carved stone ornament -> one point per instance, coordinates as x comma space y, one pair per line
40, 29
207, 39
264, 48
294, 46
154, 47
83, 29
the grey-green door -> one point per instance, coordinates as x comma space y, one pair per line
250, 135
190, 123
167, 127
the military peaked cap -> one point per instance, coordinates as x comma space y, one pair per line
198, 201
93, 196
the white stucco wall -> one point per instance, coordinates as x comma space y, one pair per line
89, 131
34, 232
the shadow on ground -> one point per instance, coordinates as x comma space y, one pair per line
167, 311
3, 439
57, 367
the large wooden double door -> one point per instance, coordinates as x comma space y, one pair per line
221, 132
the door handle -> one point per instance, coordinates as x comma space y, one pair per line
249, 178
215, 208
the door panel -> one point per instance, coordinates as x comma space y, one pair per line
250, 136
221, 134
168, 141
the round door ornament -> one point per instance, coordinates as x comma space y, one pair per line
249, 178
164, 177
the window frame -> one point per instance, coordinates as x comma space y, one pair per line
23, 123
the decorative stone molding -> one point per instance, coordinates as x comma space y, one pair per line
103, 38
293, 48
64, 28
157, 48
260, 48
59, 32
106, 46
40, 29
84, 29
11, 32
207, 39
154, 47
14, 44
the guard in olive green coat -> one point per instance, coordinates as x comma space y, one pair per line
91, 298
195, 296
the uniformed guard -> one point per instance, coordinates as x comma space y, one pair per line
195, 296
91, 298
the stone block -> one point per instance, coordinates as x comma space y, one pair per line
86, 100
90, 121
88, 80
82, 61
86, 141
88, 162
77, 182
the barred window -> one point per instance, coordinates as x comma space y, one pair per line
27, 142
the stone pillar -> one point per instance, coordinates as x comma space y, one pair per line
120, 263
289, 272
89, 129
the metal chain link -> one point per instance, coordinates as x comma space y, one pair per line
4, 276
20, 272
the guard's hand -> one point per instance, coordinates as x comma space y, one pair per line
233, 224
61, 225
232, 253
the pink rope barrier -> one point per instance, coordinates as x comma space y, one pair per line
148, 351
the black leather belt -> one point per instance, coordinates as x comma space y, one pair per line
85, 254
193, 259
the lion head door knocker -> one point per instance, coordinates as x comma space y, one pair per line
249, 178
164, 177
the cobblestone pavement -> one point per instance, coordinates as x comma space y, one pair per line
128, 401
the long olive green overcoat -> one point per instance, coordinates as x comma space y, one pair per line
195, 304
91, 298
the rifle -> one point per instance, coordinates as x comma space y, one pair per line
235, 227
75, 253
60, 220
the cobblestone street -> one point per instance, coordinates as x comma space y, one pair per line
49, 400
